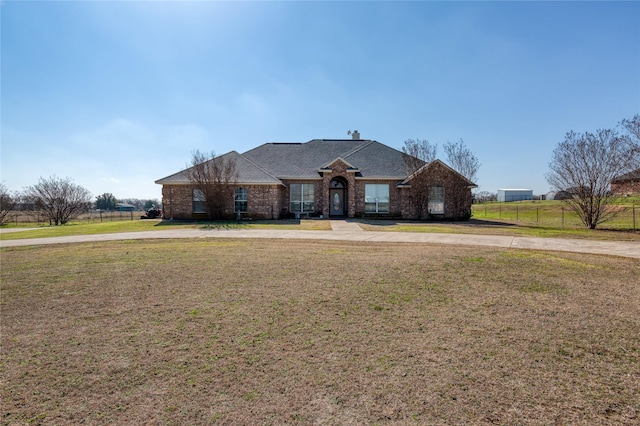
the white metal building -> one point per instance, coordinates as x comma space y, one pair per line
506, 195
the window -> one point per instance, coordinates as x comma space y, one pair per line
376, 198
336, 183
198, 201
301, 198
240, 200
436, 200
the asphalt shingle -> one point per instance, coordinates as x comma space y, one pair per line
271, 162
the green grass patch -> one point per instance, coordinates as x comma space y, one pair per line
556, 214
481, 226
78, 228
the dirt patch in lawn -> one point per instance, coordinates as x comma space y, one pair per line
298, 332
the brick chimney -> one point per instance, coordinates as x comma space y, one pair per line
355, 135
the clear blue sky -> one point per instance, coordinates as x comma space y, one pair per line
116, 95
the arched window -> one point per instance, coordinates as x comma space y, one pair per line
338, 183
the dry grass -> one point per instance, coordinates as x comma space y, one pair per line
490, 227
267, 332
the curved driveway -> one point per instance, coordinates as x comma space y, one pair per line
345, 231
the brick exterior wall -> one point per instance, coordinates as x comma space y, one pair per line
628, 187
177, 201
272, 201
317, 189
457, 195
395, 198
339, 170
263, 202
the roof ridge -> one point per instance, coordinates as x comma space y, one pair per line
260, 167
356, 149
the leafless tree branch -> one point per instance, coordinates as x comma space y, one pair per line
7, 203
462, 160
215, 177
584, 164
60, 200
417, 153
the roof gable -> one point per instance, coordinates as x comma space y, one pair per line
247, 172
329, 166
270, 163
432, 164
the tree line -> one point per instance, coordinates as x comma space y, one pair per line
60, 200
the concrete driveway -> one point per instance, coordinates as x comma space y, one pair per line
350, 231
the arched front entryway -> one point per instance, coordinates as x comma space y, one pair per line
338, 197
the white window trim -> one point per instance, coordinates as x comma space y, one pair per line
198, 199
436, 206
302, 196
244, 200
377, 200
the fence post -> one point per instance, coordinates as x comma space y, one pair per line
563, 216
500, 206
517, 215
537, 209
633, 211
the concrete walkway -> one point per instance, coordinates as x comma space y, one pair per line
347, 231
345, 225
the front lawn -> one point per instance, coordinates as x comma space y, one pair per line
297, 332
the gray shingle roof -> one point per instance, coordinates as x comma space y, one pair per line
633, 175
303, 160
248, 172
271, 162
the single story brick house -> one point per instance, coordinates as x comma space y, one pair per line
627, 184
328, 178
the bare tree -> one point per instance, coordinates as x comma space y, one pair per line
462, 160
584, 164
7, 203
60, 200
485, 196
417, 153
632, 127
214, 177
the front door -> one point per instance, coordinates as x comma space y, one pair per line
336, 202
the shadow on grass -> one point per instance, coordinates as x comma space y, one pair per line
227, 224
466, 223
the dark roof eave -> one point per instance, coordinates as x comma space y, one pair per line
183, 183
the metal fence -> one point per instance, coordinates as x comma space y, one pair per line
626, 216
36, 218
